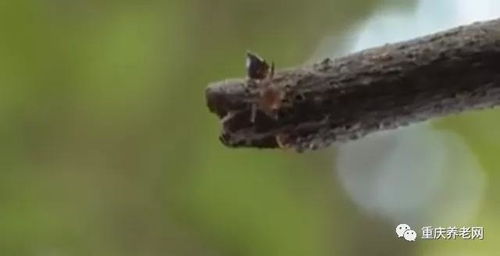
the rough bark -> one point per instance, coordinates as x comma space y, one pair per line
375, 89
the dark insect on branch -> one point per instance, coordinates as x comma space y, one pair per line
347, 98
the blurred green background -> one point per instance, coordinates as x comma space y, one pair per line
108, 148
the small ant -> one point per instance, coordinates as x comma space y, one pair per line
260, 75
269, 98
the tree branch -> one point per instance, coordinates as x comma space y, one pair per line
376, 89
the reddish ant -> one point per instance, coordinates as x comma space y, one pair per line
260, 74
269, 98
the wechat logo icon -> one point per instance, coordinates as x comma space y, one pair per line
405, 231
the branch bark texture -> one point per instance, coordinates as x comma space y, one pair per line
376, 89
